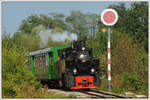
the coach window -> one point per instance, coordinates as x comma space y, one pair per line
46, 59
51, 58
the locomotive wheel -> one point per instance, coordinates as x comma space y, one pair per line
97, 80
64, 81
68, 80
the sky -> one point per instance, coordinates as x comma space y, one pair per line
14, 12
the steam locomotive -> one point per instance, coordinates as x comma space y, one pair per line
73, 67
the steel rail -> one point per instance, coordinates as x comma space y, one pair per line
102, 94
111, 94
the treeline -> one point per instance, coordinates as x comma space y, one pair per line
129, 47
129, 50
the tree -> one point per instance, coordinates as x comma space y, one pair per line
30, 42
78, 22
14, 69
133, 21
57, 16
93, 23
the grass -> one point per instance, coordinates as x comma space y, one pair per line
30, 91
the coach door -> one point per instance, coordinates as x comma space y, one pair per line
41, 66
50, 65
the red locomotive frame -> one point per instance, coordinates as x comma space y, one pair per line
84, 82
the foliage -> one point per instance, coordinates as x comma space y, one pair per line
57, 16
34, 20
29, 41
93, 26
27, 90
133, 21
103, 65
78, 22
123, 54
129, 66
129, 62
14, 68
132, 81
52, 44
99, 43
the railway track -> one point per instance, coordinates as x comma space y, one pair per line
102, 94
93, 94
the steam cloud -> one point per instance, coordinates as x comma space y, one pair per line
55, 36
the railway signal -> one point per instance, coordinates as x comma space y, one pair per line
104, 30
109, 17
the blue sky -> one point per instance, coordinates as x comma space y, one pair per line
14, 12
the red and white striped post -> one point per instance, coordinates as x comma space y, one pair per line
109, 62
109, 17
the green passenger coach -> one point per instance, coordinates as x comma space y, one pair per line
44, 63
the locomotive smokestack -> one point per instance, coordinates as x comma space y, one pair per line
79, 45
83, 41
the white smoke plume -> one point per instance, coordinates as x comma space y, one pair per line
45, 34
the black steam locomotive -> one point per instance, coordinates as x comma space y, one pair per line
82, 70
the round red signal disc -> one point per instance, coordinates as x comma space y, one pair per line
109, 17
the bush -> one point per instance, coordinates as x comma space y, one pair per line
129, 67
14, 69
132, 82
27, 90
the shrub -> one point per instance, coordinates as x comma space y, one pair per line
14, 69
132, 81
27, 90
129, 67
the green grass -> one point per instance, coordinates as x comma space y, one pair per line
29, 91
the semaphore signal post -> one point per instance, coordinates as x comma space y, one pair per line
109, 17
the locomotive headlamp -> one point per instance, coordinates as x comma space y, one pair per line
82, 55
74, 70
83, 48
92, 70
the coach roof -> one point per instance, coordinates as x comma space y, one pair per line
40, 52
